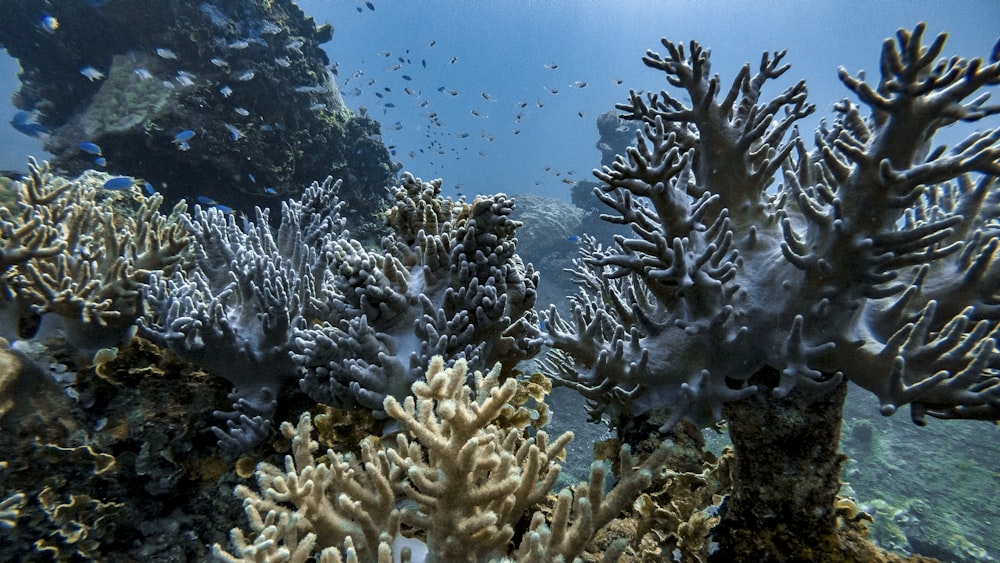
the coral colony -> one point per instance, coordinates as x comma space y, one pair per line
873, 260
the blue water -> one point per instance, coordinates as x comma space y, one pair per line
502, 49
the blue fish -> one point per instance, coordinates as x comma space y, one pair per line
205, 200
270, 191
148, 188
118, 183
185, 135
24, 123
90, 148
543, 326
573, 239
100, 161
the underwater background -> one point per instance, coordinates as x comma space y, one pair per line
504, 97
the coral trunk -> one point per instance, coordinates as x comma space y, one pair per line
786, 476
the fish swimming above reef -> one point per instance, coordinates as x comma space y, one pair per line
118, 183
91, 73
25, 123
181, 139
48, 23
90, 148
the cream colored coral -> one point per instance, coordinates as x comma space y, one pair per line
471, 479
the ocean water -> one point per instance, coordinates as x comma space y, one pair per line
503, 96
503, 49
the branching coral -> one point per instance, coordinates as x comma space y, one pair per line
466, 480
875, 259
68, 253
359, 324
447, 282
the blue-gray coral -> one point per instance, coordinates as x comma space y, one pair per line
875, 258
447, 282
353, 324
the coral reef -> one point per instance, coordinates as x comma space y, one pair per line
467, 469
873, 261
230, 100
78, 255
355, 324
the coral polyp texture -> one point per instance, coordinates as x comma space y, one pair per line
467, 468
309, 306
874, 258
78, 256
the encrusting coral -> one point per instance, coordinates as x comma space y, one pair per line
874, 261
453, 488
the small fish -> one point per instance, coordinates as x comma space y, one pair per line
118, 183
90, 148
580, 113
226, 91
91, 73
317, 107
389, 105
234, 133
25, 123
619, 81
451, 92
573, 239
370, 6
269, 28
148, 188
423, 63
578, 84
479, 113
242, 111
100, 162
205, 200
552, 90
411, 92
282, 62
221, 63
543, 326
394, 67
246, 76
295, 45
407, 77
522, 105
165, 53
142, 73
488, 97
253, 179
181, 139
48, 23
452, 61
432, 43
239, 45
184, 79
551, 66
270, 191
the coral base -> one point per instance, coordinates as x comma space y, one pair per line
785, 481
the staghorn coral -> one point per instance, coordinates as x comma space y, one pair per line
466, 480
73, 257
874, 260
